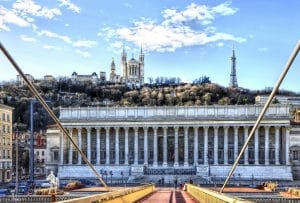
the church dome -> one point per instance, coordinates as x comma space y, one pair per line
74, 74
133, 60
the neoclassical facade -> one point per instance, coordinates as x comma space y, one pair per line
202, 141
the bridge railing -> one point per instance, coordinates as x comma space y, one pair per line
206, 195
127, 195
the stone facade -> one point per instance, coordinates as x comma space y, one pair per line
202, 141
5, 143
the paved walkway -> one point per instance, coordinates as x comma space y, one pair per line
169, 196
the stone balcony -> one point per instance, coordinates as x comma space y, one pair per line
214, 112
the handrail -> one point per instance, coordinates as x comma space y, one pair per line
127, 195
206, 195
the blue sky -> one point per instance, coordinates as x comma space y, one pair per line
181, 38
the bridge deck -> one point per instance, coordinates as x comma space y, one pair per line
169, 196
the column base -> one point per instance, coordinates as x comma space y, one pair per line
176, 164
165, 164
185, 164
154, 164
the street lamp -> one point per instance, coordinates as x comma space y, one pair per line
111, 174
122, 174
105, 173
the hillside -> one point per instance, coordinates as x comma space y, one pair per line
65, 93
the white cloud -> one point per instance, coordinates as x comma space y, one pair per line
71, 6
176, 30
84, 44
25, 7
220, 44
85, 54
27, 38
67, 25
47, 46
9, 17
263, 49
168, 38
197, 12
55, 35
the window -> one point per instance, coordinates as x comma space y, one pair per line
295, 155
55, 156
3, 116
37, 153
7, 118
43, 153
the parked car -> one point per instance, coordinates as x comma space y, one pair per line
4, 192
42, 184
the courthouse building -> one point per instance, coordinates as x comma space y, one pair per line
149, 142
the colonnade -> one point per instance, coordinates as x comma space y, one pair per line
176, 145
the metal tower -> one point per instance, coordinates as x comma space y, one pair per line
233, 79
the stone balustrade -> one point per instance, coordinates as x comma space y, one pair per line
218, 112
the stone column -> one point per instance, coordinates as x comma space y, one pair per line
195, 145
165, 148
236, 142
155, 147
136, 145
256, 149
287, 146
225, 145
126, 146
61, 148
79, 145
246, 153
117, 144
145, 146
98, 146
277, 145
267, 161
107, 160
216, 146
186, 147
176, 164
89, 144
70, 146
205, 145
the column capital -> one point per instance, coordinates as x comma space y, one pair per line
88, 129
97, 129
145, 129
196, 127
267, 127
225, 127
216, 127
117, 129
176, 128
246, 127
277, 127
70, 130
107, 129
236, 128
165, 129
79, 129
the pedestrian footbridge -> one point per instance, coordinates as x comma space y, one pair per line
148, 193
